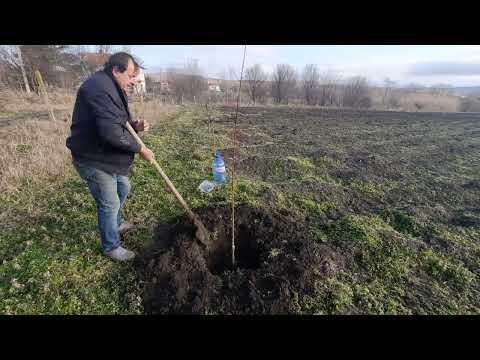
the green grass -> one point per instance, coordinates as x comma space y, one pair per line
382, 271
329, 297
324, 208
394, 261
445, 269
50, 250
49, 247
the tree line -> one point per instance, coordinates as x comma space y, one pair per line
65, 66
283, 86
62, 66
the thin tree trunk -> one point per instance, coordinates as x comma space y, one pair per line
24, 74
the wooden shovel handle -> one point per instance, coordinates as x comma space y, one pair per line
164, 176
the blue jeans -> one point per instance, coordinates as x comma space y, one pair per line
109, 192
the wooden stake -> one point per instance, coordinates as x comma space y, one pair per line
43, 90
234, 160
142, 107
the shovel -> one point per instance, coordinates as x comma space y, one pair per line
201, 234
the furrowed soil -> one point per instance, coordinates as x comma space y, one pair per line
348, 212
336, 212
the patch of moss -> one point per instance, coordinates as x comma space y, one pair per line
445, 269
316, 208
329, 297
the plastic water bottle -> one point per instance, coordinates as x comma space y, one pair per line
218, 169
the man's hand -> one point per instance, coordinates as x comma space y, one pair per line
141, 125
147, 154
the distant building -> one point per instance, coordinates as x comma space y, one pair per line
162, 81
140, 86
214, 85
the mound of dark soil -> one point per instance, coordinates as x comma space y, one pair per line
273, 259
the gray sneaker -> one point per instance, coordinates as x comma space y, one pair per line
124, 227
120, 254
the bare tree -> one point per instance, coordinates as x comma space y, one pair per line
328, 93
229, 79
11, 56
79, 50
356, 93
441, 88
387, 89
92, 58
390, 96
127, 49
57, 64
104, 49
82, 53
187, 83
22, 69
469, 104
255, 78
414, 87
224, 83
310, 84
283, 83
196, 83
394, 94
234, 80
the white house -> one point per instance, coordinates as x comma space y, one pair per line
214, 88
214, 85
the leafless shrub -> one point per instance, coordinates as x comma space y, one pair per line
283, 83
255, 79
356, 93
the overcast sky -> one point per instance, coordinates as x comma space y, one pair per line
457, 65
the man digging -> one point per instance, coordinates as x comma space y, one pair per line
102, 148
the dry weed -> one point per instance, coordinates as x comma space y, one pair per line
34, 147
